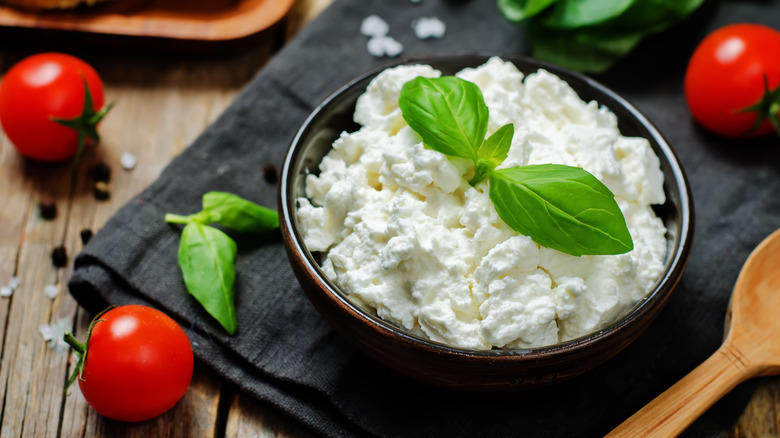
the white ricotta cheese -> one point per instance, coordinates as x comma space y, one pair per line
402, 232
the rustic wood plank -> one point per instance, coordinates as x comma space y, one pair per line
171, 112
30, 367
761, 417
250, 419
162, 105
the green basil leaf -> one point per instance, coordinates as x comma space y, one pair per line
493, 152
207, 260
570, 14
591, 35
519, 10
448, 113
592, 50
560, 207
237, 213
496, 148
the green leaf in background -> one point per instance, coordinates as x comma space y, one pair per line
579, 50
560, 207
570, 14
237, 213
591, 35
207, 260
448, 113
519, 10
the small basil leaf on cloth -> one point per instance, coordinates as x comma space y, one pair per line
448, 113
237, 213
207, 260
560, 207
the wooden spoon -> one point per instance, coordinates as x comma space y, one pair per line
751, 348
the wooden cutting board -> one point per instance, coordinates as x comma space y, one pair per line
206, 20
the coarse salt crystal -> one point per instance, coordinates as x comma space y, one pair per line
54, 334
429, 27
128, 161
13, 283
51, 291
374, 26
46, 332
384, 46
6, 291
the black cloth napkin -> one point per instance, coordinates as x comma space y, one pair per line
286, 355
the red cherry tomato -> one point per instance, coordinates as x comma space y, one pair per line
38, 88
138, 363
733, 80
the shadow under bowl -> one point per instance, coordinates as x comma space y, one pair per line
497, 370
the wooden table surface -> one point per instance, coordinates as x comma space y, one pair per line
163, 103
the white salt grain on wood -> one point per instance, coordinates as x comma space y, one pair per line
6, 291
51, 291
46, 332
128, 161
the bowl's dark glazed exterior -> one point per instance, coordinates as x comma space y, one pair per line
473, 370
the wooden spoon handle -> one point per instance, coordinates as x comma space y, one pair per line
675, 409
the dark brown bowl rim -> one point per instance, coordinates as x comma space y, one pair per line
658, 296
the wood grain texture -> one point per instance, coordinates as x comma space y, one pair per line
164, 101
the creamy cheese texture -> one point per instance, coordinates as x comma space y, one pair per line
403, 233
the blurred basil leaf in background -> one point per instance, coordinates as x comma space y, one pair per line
591, 35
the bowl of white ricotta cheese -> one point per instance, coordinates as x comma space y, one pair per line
411, 262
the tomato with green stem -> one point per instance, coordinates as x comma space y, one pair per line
50, 105
136, 363
732, 83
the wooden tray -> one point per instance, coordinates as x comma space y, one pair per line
206, 20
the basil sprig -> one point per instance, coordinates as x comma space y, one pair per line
207, 255
592, 35
559, 207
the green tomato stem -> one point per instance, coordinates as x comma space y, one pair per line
81, 349
85, 124
774, 116
75, 344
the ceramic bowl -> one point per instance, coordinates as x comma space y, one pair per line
463, 369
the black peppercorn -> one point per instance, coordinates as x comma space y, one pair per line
100, 172
59, 256
48, 208
270, 174
86, 234
101, 191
